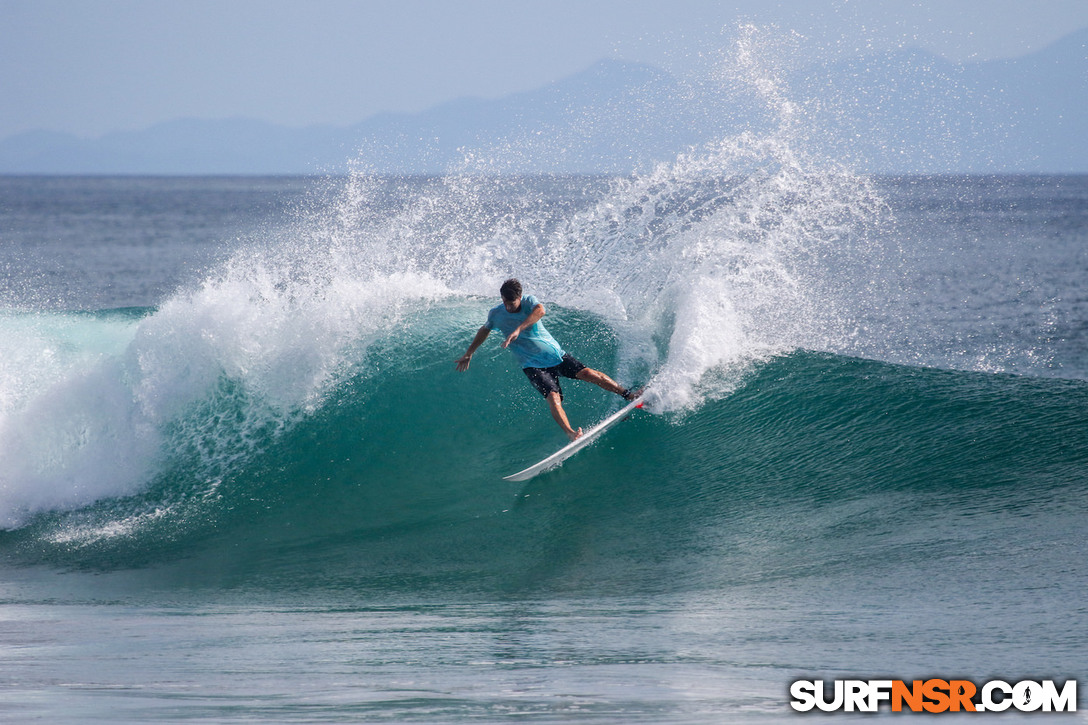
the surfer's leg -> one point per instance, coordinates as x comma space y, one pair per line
601, 380
572, 367
555, 403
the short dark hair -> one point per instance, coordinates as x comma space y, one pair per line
511, 289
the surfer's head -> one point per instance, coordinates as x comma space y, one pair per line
511, 294
511, 289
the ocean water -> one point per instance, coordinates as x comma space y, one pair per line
241, 481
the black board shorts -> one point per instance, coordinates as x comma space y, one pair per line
546, 380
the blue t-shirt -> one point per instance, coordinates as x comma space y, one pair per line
535, 347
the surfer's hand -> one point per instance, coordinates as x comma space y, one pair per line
462, 363
510, 338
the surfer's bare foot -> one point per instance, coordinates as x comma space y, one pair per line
575, 435
630, 395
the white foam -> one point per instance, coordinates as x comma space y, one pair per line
91, 407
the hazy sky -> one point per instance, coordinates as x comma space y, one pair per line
93, 66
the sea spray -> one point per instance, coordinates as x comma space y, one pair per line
705, 262
720, 251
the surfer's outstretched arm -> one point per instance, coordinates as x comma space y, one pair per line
463, 361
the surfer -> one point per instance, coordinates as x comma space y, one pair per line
541, 358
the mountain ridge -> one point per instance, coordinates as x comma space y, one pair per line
904, 111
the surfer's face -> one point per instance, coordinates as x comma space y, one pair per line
512, 305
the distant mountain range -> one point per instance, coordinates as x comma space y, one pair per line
901, 112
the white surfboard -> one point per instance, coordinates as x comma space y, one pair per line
576, 445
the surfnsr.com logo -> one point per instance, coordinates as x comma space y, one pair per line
933, 695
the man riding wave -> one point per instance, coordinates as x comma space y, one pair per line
542, 359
